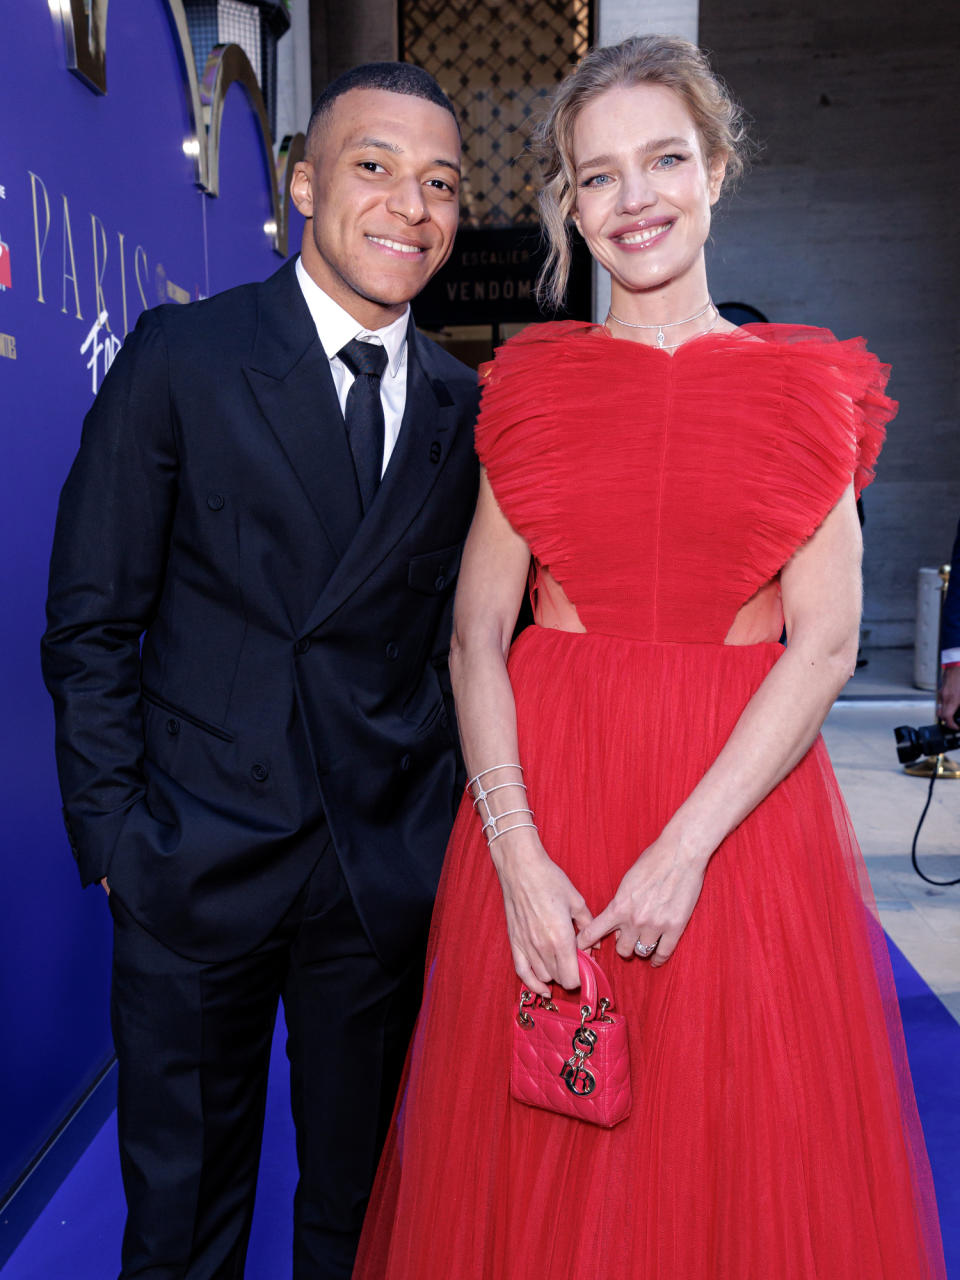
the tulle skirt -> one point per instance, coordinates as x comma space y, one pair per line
774, 1133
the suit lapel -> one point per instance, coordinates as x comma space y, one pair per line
426, 434
289, 374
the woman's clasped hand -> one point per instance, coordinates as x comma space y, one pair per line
652, 905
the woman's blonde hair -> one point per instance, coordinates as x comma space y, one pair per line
664, 60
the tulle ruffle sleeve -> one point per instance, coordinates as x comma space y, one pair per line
818, 412
522, 390
839, 389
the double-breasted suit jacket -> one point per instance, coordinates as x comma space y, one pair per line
950, 621
236, 656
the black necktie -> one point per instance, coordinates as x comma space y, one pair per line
364, 413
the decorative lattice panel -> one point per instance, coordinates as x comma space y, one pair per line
498, 60
239, 23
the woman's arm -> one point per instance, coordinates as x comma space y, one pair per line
821, 602
541, 904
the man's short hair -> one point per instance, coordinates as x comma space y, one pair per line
394, 77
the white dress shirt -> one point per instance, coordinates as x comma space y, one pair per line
335, 328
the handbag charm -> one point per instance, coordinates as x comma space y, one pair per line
574, 1072
573, 1059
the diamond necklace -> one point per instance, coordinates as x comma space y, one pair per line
670, 324
672, 346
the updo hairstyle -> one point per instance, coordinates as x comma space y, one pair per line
665, 60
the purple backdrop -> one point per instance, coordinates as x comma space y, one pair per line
90, 186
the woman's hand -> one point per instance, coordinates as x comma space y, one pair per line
653, 903
542, 909
948, 699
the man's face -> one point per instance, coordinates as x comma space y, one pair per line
380, 191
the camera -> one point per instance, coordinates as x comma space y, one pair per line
928, 740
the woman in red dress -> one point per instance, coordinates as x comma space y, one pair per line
685, 489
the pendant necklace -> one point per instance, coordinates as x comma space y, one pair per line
669, 324
672, 346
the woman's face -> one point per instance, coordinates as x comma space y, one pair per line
643, 187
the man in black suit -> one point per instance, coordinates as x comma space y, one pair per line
270, 497
948, 702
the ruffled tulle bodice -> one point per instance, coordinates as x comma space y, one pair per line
760, 432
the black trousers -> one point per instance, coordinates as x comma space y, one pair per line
193, 1043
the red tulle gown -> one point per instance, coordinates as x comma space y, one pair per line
774, 1133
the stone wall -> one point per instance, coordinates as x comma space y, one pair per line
342, 35
850, 219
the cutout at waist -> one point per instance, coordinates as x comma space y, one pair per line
758, 621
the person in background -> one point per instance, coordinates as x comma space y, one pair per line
948, 699
271, 496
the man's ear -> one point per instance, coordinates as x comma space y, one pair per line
301, 188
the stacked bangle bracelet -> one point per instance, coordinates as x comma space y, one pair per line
491, 821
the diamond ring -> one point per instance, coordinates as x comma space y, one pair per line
644, 949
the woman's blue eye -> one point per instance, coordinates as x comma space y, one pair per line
596, 181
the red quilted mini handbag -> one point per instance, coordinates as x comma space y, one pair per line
572, 1057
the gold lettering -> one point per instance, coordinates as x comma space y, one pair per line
139, 256
72, 273
99, 266
524, 288
123, 284
8, 346
38, 244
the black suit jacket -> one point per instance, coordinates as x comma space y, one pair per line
235, 657
950, 618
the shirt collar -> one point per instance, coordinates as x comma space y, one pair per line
336, 327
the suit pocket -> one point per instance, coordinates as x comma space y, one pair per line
435, 572
180, 713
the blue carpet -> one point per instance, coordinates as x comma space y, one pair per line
77, 1237
933, 1046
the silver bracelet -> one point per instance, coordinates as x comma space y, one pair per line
489, 820
516, 826
493, 769
493, 822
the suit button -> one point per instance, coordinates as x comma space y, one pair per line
301, 646
259, 772
435, 451
440, 583
393, 651
215, 501
404, 763
173, 726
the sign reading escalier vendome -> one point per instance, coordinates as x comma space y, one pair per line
491, 279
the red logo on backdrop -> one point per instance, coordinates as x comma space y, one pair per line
4, 266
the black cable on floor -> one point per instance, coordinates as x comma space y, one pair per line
944, 884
